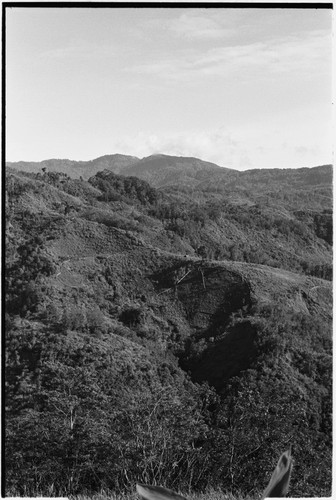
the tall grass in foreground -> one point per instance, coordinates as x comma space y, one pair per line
210, 494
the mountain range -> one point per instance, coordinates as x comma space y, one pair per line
161, 170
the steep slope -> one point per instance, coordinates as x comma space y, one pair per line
130, 350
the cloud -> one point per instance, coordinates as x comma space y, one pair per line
198, 27
217, 146
240, 149
308, 54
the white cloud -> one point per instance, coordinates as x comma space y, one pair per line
217, 146
198, 26
309, 55
241, 149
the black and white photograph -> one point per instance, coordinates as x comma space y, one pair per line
167, 265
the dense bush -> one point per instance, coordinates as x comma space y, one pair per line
116, 187
23, 277
110, 424
107, 425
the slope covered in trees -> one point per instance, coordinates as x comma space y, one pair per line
175, 336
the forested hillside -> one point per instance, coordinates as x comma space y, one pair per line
173, 335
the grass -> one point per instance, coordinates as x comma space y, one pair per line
211, 494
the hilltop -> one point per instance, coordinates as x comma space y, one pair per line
159, 170
76, 169
152, 323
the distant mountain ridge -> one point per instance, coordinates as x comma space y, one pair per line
76, 169
161, 170
164, 170
158, 169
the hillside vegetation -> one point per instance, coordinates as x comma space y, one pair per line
173, 335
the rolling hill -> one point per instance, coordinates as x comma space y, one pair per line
76, 169
179, 316
161, 170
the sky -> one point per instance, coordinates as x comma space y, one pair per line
243, 88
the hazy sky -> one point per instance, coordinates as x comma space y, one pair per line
244, 88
